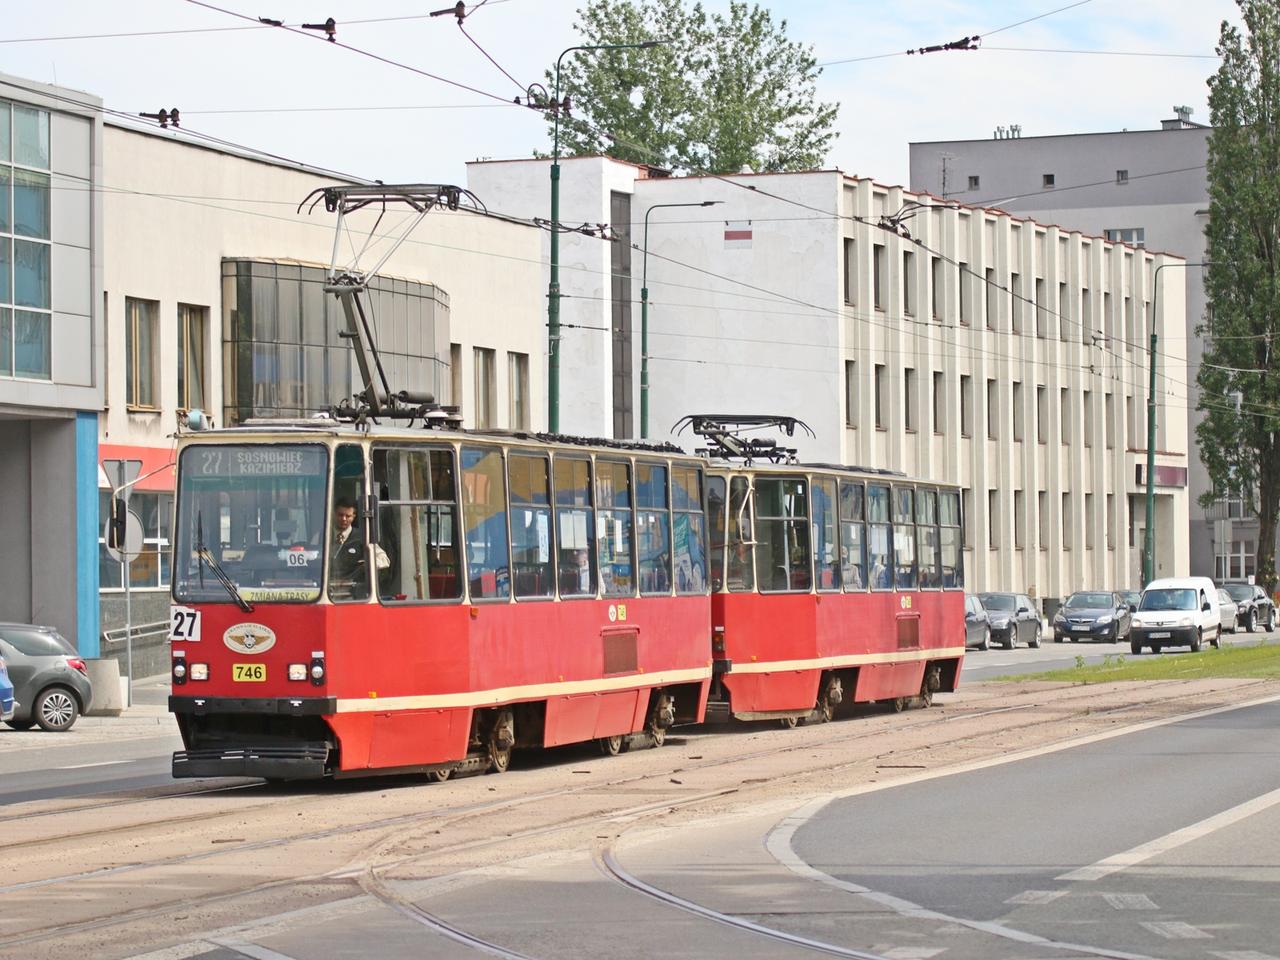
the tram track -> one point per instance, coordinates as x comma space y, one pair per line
448, 820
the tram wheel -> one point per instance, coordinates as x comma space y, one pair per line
789, 723
501, 739
441, 775
610, 746
664, 712
899, 704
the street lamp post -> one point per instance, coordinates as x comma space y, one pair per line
1149, 535
553, 286
644, 311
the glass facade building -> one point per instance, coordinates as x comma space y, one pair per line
283, 355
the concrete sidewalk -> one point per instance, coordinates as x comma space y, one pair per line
148, 718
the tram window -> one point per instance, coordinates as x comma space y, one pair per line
949, 539
853, 558
575, 528
690, 531
484, 503
782, 535
715, 512
904, 538
927, 532
653, 528
740, 572
348, 569
880, 540
613, 509
826, 548
530, 525
419, 522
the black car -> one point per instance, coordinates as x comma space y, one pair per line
50, 681
1013, 618
1256, 608
1092, 615
977, 623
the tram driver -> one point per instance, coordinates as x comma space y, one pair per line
347, 574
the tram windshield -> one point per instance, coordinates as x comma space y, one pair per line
258, 513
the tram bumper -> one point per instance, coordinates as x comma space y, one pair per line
299, 761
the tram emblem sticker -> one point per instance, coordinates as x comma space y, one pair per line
905, 601
249, 638
617, 612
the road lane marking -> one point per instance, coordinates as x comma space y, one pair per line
1171, 841
100, 763
1176, 930
1243, 955
1036, 896
1130, 901
256, 951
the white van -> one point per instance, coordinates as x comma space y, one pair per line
1176, 612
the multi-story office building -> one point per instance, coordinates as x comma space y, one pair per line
1146, 188
968, 351
51, 348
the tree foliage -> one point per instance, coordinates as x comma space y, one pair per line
727, 91
1238, 370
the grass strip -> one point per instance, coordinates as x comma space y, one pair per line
1238, 661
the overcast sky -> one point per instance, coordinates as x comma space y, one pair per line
219, 78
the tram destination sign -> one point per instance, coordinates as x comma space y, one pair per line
238, 461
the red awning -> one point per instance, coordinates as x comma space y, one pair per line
157, 465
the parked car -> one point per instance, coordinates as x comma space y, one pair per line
6, 693
1228, 612
977, 623
1013, 619
1254, 604
50, 681
1176, 612
1132, 598
1092, 615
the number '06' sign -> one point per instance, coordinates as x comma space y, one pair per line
184, 624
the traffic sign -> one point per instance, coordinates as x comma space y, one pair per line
132, 538
121, 474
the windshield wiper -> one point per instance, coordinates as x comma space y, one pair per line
227, 583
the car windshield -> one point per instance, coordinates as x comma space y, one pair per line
258, 512
1088, 601
998, 601
1239, 591
1184, 599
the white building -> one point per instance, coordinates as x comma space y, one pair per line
969, 354
1144, 187
213, 301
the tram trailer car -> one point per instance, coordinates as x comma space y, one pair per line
493, 591
831, 586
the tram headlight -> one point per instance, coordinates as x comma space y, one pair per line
199, 671
317, 668
179, 670
297, 671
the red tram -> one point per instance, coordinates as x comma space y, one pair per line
496, 592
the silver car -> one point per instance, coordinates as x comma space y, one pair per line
50, 680
1228, 612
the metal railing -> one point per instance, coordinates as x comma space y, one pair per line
141, 631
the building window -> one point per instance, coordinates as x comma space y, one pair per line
881, 400
149, 569
1088, 417
964, 293
1129, 332
140, 352
939, 402
1086, 317
1019, 518
990, 300
966, 405
26, 318
1122, 176
1109, 420
1042, 415
1134, 236
1130, 423
877, 275
1063, 307
455, 375
1236, 561
1017, 411
908, 283
1042, 309
1066, 521
974, 182
938, 293
518, 390
908, 399
1015, 302
193, 326
993, 410
851, 393
486, 399
1111, 521
850, 272
1088, 521
993, 518
1042, 517
966, 524
1046, 180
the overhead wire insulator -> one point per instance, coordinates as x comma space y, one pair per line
329, 28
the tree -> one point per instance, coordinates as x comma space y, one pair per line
727, 91
1239, 384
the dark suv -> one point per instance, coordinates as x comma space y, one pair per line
1256, 608
50, 681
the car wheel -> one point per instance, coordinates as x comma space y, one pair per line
1135, 647
986, 639
1235, 623
1035, 638
1155, 648
1250, 621
55, 710
1195, 643
1271, 620
21, 724
1009, 644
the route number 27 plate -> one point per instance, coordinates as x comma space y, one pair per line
184, 624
